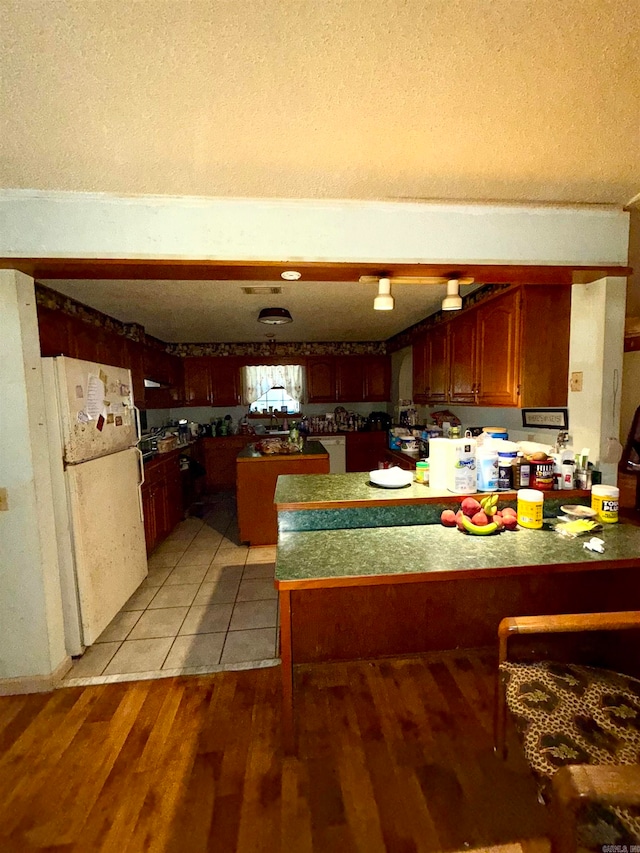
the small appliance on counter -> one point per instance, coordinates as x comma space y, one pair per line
378, 421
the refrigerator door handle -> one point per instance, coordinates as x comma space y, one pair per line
141, 483
138, 426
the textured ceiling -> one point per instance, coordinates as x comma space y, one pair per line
198, 311
472, 100
528, 100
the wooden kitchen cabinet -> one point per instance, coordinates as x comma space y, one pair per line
377, 378
211, 381
321, 379
162, 501
53, 329
462, 358
511, 350
431, 366
220, 460
225, 381
498, 350
349, 379
364, 450
197, 381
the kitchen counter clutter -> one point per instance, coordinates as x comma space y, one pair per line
365, 572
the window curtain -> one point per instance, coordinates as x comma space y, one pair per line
258, 379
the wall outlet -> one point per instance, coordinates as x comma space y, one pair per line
575, 383
4, 500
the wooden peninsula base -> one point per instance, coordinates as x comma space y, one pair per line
256, 477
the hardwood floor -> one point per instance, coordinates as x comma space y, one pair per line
394, 755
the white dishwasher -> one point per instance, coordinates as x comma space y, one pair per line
335, 446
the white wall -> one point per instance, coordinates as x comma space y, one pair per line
97, 225
596, 350
32, 632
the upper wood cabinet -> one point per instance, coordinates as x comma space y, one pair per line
197, 381
462, 358
321, 379
498, 350
211, 381
348, 379
431, 366
377, 378
225, 381
512, 350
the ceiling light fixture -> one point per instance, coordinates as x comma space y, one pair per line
384, 301
453, 300
274, 316
291, 275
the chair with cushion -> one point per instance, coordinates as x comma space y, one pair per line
580, 731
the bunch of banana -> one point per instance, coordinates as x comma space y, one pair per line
489, 504
478, 530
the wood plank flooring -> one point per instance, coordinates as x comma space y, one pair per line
394, 755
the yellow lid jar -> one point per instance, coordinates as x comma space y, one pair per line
530, 503
605, 500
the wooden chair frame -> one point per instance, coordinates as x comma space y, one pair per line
574, 784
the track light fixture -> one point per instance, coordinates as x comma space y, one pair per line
453, 300
384, 301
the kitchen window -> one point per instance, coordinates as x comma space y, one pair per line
273, 386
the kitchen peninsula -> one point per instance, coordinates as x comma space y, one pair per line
364, 572
256, 475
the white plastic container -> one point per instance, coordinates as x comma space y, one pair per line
461, 466
487, 469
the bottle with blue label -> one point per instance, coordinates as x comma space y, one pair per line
461, 470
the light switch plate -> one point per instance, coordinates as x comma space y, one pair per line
575, 383
4, 500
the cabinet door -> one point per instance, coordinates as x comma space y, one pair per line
321, 380
225, 381
54, 332
377, 378
436, 364
349, 378
136, 366
197, 381
462, 358
419, 356
498, 350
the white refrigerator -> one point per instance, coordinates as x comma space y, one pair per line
96, 468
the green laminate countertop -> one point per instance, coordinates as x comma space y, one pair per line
339, 557
333, 491
309, 448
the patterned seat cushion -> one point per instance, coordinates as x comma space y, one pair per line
569, 714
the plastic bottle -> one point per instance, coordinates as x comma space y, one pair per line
530, 503
461, 467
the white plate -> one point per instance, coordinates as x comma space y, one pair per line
391, 478
578, 511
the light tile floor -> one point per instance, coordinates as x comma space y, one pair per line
208, 603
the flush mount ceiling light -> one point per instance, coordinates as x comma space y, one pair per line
384, 301
275, 316
453, 300
291, 275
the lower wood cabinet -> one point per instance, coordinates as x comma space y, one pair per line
364, 450
162, 501
220, 460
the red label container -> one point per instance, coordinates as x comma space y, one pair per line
542, 476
